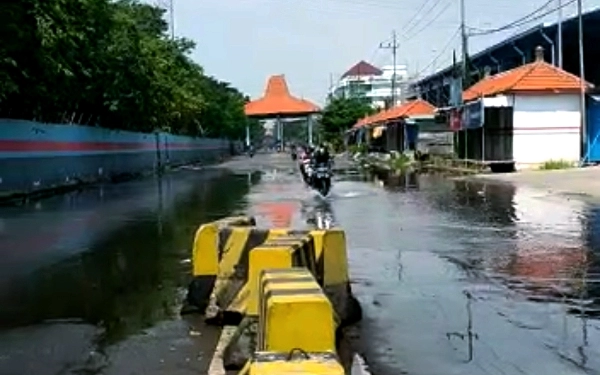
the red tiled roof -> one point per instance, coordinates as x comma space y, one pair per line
277, 100
416, 107
538, 77
362, 68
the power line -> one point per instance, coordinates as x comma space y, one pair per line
431, 21
531, 17
442, 52
414, 21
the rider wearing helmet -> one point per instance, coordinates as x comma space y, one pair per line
321, 156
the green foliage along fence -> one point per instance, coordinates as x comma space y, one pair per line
110, 64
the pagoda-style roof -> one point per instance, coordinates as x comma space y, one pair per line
277, 101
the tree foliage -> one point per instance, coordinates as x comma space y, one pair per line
110, 64
342, 113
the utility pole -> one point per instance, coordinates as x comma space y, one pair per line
464, 38
393, 45
582, 106
559, 44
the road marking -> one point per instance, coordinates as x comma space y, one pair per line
359, 367
216, 363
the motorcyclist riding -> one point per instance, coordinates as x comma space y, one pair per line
321, 163
321, 156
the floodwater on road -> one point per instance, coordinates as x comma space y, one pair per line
454, 277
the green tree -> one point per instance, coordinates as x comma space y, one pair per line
111, 64
340, 114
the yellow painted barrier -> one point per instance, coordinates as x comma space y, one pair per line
230, 254
220, 253
303, 364
332, 264
285, 252
296, 333
294, 313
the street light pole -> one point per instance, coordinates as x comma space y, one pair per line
582, 106
559, 44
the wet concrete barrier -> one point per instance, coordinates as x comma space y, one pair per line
308, 345
223, 272
271, 283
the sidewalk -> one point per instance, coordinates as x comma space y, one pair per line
581, 182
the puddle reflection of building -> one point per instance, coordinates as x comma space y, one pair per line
394, 181
279, 214
549, 258
481, 203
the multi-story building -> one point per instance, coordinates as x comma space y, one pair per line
372, 84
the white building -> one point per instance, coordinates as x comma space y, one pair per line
531, 116
372, 84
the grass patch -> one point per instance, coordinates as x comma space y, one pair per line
358, 149
400, 162
556, 164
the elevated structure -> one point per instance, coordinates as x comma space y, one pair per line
277, 103
518, 50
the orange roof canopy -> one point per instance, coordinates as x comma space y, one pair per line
278, 101
418, 107
535, 77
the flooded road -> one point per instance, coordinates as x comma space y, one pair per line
454, 278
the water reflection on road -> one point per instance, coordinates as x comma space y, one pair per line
454, 277
476, 279
84, 272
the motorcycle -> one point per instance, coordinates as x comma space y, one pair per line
320, 179
305, 169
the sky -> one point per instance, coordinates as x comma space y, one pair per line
313, 42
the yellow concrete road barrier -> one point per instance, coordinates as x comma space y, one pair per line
284, 252
209, 249
229, 254
299, 364
296, 328
294, 313
333, 275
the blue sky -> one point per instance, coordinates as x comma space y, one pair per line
311, 41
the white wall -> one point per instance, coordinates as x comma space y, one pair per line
546, 128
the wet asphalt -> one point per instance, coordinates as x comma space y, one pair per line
454, 277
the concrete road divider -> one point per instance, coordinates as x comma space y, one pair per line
218, 248
284, 252
230, 260
332, 273
297, 363
221, 254
296, 327
293, 295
